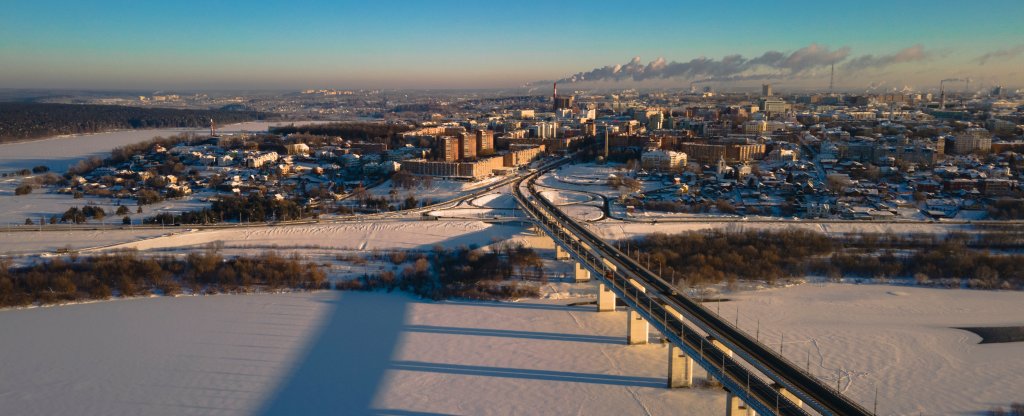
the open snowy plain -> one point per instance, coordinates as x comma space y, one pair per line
379, 353
902, 339
369, 235
331, 353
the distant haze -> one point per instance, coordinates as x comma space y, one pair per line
266, 45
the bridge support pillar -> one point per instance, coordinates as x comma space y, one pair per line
638, 329
605, 299
581, 274
734, 406
788, 394
560, 253
680, 368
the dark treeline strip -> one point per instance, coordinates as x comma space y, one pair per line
950, 262
127, 274
347, 130
711, 257
1007, 209
421, 108
464, 272
698, 258
251, 208
20, 121
1003, 237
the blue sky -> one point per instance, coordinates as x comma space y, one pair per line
164, 44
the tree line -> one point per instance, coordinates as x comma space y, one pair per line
20, 121
349, 130
698, 258
709, 257
128, 274
950, 263
1007, 209
464, 272
250, 208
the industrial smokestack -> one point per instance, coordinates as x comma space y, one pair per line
605, 143
942, 97
554, 98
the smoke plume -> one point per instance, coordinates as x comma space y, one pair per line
911, 54
1002, 53
770, 65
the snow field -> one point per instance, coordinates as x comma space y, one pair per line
900, 338
332, 352
394, 234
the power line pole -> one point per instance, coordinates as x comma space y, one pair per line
875, 411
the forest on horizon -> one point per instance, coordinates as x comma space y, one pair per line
24, 121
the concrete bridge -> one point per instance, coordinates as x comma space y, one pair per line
768, 384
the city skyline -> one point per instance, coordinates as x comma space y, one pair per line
449, 44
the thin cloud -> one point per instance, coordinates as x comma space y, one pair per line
1002, 53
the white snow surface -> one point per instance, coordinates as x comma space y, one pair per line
34, 242
45, 202
495, 200
377, 353
900, 337
384, 234
439, 189
331, 353
357, 235
581, 212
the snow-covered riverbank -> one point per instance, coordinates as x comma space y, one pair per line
61, 152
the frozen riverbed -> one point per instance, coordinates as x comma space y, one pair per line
376, 353
331, 353
61, 152
902, 339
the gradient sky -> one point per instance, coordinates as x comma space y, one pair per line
165, 44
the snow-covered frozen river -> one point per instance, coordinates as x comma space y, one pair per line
331, 353
378, 353
61, 152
